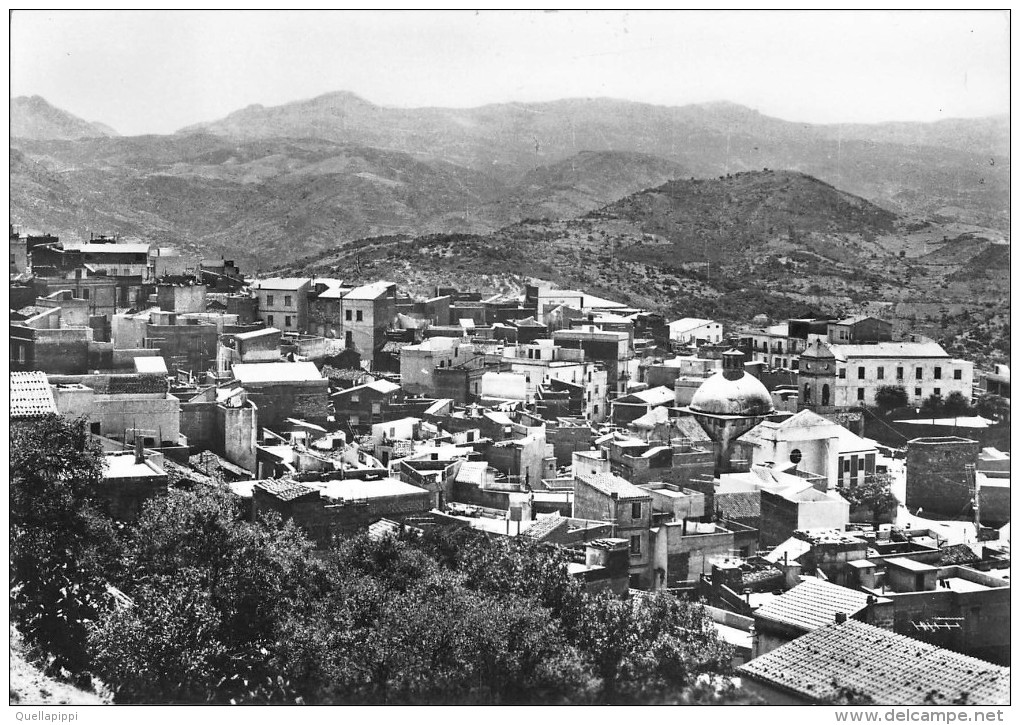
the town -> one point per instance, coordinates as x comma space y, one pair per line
836, 497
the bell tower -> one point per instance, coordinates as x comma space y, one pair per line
816, 378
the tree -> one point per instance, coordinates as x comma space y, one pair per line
875, 495
993, 406
890, 397
956, 404
932, 406
194, 565
650, 650
64, 549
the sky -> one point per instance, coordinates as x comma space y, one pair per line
158, 71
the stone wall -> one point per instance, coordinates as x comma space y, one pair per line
276, 402
778, 519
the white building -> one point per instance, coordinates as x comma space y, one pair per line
847, 376
814, 445
689, 330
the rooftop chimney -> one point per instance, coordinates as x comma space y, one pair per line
840, 617
139, 453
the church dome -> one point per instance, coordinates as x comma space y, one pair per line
732, 395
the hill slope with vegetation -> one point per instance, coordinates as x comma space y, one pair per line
774, 242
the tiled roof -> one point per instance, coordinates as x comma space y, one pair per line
889, 350
31, 395
609, 484
739, 506
957, 554
544, 527
654, 396
791, 548
812, 604
889, 668
281, 283
283, 372
285, 490
369, 291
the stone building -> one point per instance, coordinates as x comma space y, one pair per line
329, 508
605, 497
283, 302
940, 474
285, 390
368, 311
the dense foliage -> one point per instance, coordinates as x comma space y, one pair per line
891, 397
874, 495
63, 548
222, 609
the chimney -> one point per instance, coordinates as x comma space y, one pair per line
139, 453
840, 617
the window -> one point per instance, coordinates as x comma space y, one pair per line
795, 455
938, 373
286, 321
635, 510
95, 427
269, 320
938, 392
860, 372
347, 316
12, 259
860, 393
842, 373
376, 408
846, 465
899, 373
881, 373
635, 546
287, 299
84, 294
917, 392
957, 375
355, 397
919, 373
361, 316
348, 339
269, 300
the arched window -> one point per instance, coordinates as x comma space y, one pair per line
807, 392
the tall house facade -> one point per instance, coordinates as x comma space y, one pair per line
283, 302
367, 312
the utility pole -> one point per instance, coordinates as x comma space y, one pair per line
972, 477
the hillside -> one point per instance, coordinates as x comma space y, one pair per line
33, 117
957, 168
262, 201
779, 243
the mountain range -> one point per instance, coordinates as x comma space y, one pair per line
270, 185
775, 242
33, 117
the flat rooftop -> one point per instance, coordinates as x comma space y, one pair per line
353, 489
